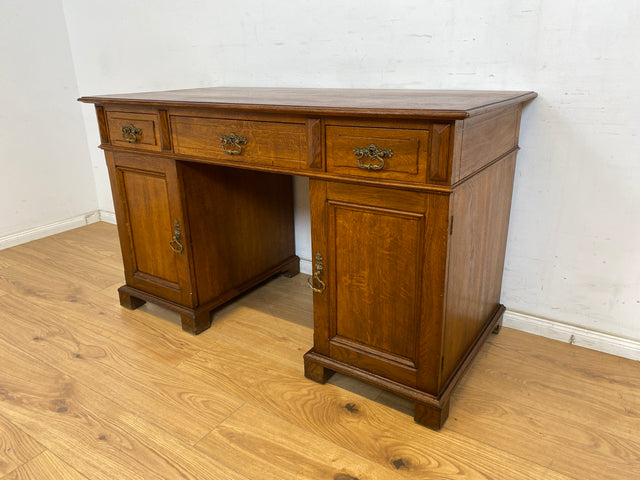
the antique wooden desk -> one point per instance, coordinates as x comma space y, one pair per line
410, 199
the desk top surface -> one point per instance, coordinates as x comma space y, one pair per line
451, 104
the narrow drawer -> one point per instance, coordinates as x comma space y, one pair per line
140, 131
388, 153
246, 141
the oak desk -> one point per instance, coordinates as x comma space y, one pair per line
410, 199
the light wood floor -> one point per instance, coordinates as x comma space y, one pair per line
89, 390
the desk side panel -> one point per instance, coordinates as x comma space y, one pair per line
484, 138
480, 210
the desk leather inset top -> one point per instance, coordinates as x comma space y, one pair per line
410, 199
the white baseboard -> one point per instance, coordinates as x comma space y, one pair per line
305, 266
108, 217
47, 230
602, 342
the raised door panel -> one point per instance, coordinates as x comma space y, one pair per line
151, 227
373, 245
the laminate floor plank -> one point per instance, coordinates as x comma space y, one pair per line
16, 447
283, 297
5, 260
621, 376
528, 408
262, 446
90, 432
373, 431
609, 402
538, 434
80, 303
49, 254
45, 466
267, 335
99, 239
180, 404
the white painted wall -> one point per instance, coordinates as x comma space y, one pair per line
45, 175
574, 245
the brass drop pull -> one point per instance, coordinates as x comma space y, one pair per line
130, 133
317, 276
376, 156
175, 242
233, 140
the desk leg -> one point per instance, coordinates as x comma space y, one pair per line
292, 268
431, 416
196, 323
129, 302
498, 326
314, 371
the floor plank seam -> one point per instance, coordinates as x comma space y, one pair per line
195, 445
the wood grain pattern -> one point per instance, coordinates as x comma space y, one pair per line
528, 408
609, 394
136, 382
355, 423
89, 431
267, 143
450, 104
148, 207
73, 298
16, 447
248, 228
480, 210
485, 138
440, 161
265, 447
45, 466
407, 162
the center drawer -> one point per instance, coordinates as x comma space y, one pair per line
247, 141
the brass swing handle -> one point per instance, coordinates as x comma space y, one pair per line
130, 133
234, 141
176, 241
376, 156
317, 276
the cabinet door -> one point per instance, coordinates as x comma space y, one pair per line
152, 232
383, 272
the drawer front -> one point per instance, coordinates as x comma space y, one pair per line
244, 141
140, 131
388, 153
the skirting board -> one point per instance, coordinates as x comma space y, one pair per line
80, 221
55, 227
602, 342
305, 266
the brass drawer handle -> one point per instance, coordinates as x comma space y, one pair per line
176, 240
317, 277
235, 141
130, 133
375, 154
